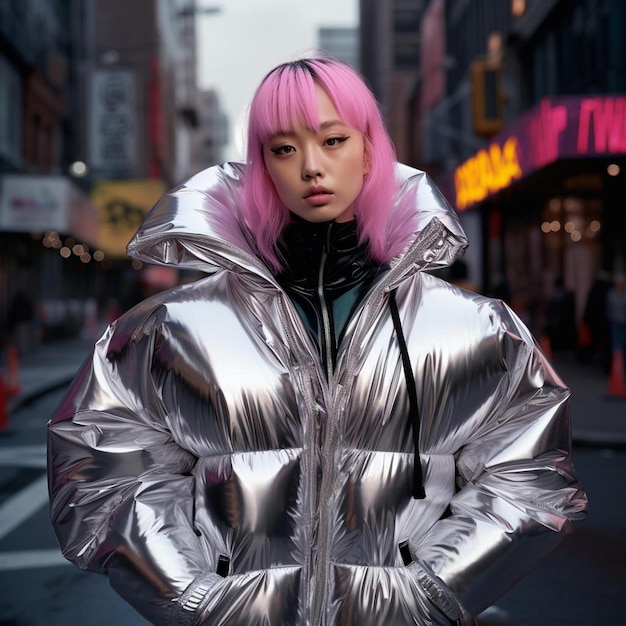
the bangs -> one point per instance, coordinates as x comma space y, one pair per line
287, 97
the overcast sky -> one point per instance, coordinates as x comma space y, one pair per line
239, 45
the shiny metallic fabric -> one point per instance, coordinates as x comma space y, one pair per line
203, 436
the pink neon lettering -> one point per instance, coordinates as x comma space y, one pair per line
545, 131
607, 119
587, 107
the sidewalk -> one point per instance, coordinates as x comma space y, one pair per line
48, 367
597, 420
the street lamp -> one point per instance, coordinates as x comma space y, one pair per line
79, 169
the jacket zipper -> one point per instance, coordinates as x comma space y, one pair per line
338, 394
306, 380
326, 325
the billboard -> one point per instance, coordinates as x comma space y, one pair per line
122, 206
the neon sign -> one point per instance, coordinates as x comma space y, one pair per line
487, 172
545, 130
605, 119
558, 128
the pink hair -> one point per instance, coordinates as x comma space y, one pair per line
286, 95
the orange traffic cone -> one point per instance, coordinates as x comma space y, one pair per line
13, 386
546, 345
3, 406
584, 336
617, 380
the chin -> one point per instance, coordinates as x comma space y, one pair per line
321, 215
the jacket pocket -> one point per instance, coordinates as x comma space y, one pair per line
437, 592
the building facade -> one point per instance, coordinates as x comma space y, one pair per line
212, 134
340, 43
389, 61
99, 111
517, 109
545, 188
47, 225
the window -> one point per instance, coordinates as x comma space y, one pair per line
10, 113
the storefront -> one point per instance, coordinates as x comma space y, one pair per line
48, 274
550, 192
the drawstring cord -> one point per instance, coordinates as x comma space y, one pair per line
418, 481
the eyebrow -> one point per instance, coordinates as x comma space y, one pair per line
332, 123
323, 126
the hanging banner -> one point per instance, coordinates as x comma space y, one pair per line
113, 124
122, 206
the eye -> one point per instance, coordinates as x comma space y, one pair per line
333, 142
280, 150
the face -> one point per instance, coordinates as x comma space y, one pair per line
318, 174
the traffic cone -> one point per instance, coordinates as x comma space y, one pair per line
584, 336
546, 345
3, 406
585, 349
13, 386
617, 380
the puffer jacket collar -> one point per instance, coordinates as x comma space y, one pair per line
198, 225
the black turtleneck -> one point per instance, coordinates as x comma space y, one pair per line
327, 273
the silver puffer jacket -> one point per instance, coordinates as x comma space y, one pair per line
205, 463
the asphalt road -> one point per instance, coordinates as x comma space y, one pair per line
583, 583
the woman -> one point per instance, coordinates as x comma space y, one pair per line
319, 431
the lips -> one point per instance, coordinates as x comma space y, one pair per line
317, 195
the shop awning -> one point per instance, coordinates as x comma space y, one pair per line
570, 127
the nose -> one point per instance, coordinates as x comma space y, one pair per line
311, 164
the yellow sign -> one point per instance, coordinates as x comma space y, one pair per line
488, 171
122, 206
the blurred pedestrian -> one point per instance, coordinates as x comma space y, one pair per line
561, 317
596, 318
320, 431
20, 319
616, 312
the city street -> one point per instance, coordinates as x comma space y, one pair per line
345, 181
582, 583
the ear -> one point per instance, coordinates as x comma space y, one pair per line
366, 162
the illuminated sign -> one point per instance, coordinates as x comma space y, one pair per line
559, 128
604, 121
123, 206
487, 172
31, 204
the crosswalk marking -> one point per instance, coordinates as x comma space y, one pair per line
23, 456
21, 505
31, 559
